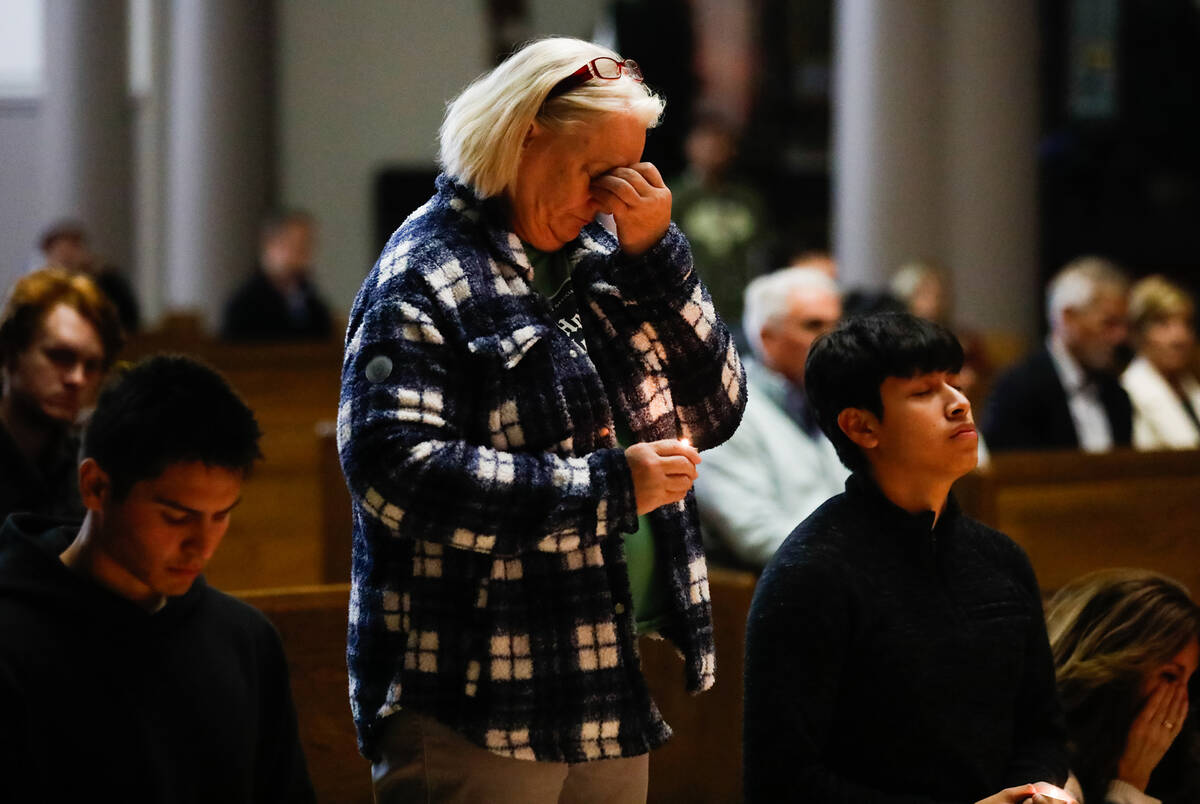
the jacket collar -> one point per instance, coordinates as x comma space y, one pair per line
492, 216
917, 527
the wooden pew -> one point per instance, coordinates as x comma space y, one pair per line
1074, 513
703, 760
701, 763
312, 622
336, 525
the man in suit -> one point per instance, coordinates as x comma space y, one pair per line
1067, 395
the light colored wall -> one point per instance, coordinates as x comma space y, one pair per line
18, 187
362, 86
21, 74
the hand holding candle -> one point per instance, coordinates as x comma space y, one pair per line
663, 472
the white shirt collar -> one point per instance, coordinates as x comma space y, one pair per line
1072, 375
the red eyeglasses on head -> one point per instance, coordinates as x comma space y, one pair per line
603, 67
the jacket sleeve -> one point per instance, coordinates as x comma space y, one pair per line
673, 353
408, 396
796, 651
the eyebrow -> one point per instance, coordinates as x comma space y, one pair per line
79, 350
169, 503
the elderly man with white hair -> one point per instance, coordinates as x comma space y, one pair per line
778, 466
1067, 394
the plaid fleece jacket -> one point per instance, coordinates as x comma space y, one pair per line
489, 582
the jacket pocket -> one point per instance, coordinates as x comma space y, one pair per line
508, 348
521, 405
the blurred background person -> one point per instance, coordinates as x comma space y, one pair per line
65, 244
778, 466
1125, 648
1160, 381
725, 219
822, 261
923, 289
58, 336
279, 301
871, 299
1066, 395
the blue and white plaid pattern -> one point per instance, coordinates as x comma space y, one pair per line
490, 588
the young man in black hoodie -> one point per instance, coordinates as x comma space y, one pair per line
123, 676
896, 651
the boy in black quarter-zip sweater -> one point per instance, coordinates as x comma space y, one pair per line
896, 650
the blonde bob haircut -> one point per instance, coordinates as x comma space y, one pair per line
1156, 299
1115, 625
485, 126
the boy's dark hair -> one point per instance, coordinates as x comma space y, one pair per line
166, 410
847, 366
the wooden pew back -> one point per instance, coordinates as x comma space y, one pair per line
703, 760
1074, 513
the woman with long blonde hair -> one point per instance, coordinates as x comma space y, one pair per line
1125, 647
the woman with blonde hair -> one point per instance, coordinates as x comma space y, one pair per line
523, 396
1125, 647
1160, 381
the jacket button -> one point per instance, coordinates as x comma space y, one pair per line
603, 432
619, 608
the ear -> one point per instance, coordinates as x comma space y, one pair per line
536, 130
95, 487
768, 336
860, 426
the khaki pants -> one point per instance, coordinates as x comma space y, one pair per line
425, 761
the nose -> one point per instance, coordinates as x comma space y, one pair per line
204, 537
958, 406
76, 374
